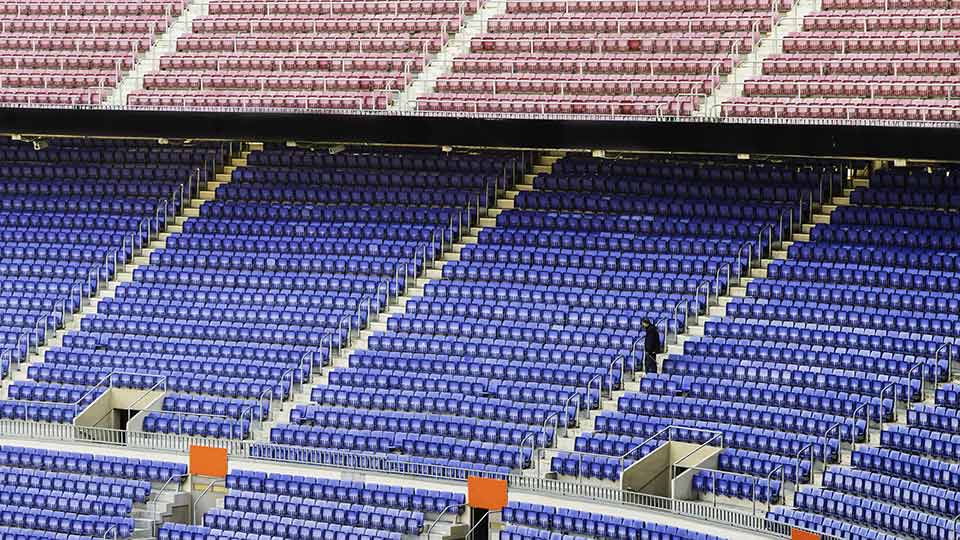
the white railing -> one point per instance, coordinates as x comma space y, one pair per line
387, 464
448, 25
629, 25
393, 7
230, 63
830, 66
645, 6
730, 45
875, 88
921, 112
581, 66
925, 121
862, 21
321, 81
570, 87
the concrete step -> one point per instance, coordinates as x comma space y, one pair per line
542, 169
801, 237
861, 182
828, 208
718, 311
841, 201
821, 218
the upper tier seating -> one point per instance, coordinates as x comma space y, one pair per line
320, 54
641, 57
70, 214
861, 60
49, 495
530, 322
75, 52
297, 507
289, 260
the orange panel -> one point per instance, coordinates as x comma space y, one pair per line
207, 461
486, 493
797, 534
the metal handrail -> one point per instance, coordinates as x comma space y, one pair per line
439, 517
783, 483
623, 360
769, 230
813, 458
193, 510
706, 295
668, 429
701, 445
666, 336
386, 294
717, 280
329, 336
936, 358
360, 322
260, 401
162, 224
349, 319
686, 316
566, 406
8, 353
599, 378
396, 277
162, 381
41, 338
749, 246
240, 434
106, 534
523, 443
293, 384
916, 366
826, 443
556, 427
312, 355
883, 391
477, 524
108, 377
156, 501
853, 429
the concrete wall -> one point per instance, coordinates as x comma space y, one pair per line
101, 413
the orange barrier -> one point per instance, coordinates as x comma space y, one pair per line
486, 493
797, 534
207, 461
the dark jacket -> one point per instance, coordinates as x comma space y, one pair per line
651, 343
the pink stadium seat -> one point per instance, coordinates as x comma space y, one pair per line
863, 59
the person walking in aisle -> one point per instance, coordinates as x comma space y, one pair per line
651, 346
